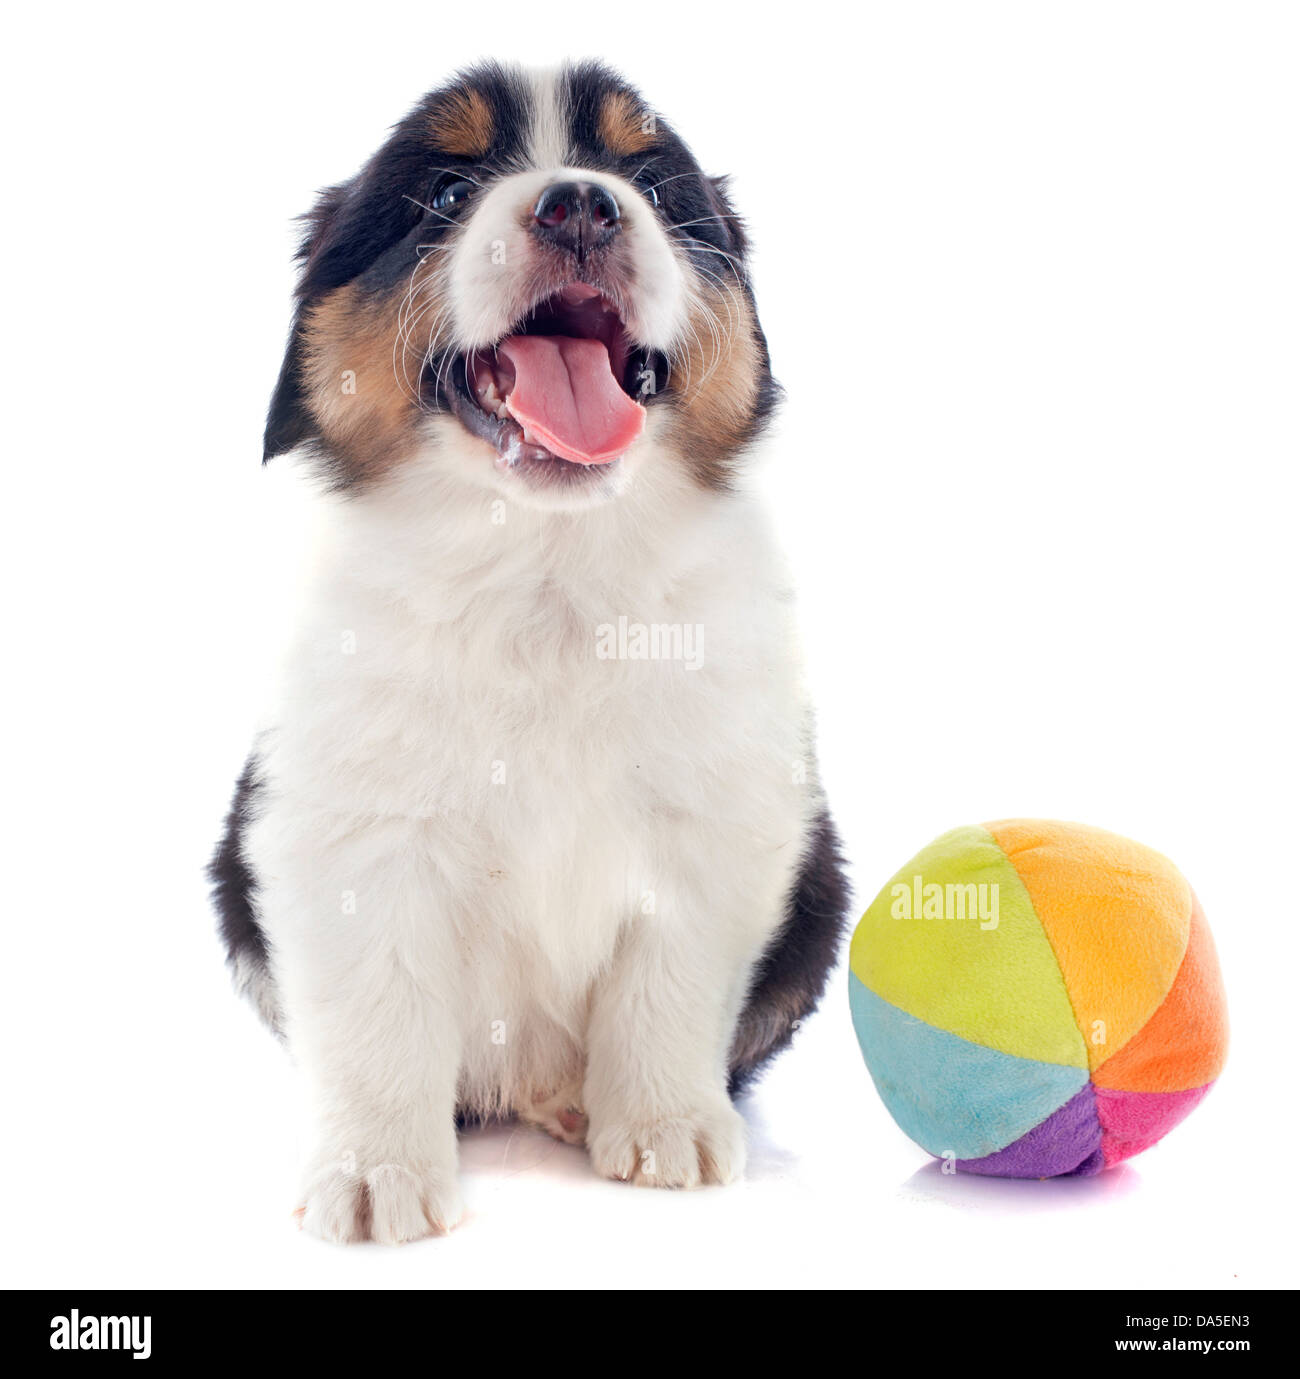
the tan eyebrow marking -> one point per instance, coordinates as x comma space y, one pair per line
623, 126
462, 125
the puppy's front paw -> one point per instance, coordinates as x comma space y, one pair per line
387, 1202
705, 1146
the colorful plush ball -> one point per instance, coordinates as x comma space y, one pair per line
1037, 999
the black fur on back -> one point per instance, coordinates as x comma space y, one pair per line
791, 976
234, 897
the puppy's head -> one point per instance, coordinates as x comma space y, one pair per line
533, 284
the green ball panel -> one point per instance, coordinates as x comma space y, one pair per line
953, 940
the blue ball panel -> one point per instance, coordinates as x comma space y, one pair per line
947, 1094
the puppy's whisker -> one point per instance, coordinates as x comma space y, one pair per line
446, 358
722, 342
459, 172
440, 324
674, 178
416, 202
700, 220
699, 244
409, 317
401, 340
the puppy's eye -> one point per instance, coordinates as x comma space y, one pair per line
648, 185
451, 193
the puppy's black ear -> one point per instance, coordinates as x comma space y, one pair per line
288, 421
349, 230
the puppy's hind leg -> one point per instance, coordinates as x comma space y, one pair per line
559, 1113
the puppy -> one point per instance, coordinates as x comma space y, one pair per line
535, 827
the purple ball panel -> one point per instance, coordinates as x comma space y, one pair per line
1068, 1142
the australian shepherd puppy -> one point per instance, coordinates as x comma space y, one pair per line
535, 826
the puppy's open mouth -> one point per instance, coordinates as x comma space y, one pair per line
566, 385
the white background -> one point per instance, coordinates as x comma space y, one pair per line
1030, 276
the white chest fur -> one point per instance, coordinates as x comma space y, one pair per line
505, 737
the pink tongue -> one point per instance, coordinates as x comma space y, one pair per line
567, 397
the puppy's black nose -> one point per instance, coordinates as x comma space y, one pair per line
578, 216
